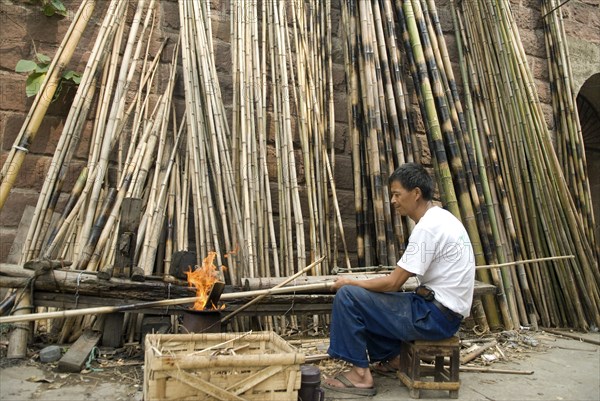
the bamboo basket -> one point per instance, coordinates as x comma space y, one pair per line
221, 366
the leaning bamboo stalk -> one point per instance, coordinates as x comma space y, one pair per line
371, 111
217, 138
29, 131
165, 302
70, 204
115, 115
530, 134
471, 127
42, 101
110, 223
350, 55
88, 250
499, 185
567, 211
282, 176
109, 72
155, 205
56, 175
569, 120
158, 212
88, 80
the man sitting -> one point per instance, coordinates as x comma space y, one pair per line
371, 317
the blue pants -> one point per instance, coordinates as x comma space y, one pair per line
368, 326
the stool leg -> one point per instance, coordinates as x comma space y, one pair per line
454, 364
454, 370
415, 371
439, 369
404, 357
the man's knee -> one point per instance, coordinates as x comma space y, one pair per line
351, 294
350, 291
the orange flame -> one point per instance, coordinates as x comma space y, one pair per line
203, 278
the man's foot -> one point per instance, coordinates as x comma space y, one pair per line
342, 384
387, 368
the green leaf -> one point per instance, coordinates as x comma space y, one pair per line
68, 74
59, 7
42, 58
25, 66
34, 83
42, 68
73, 76
48, 10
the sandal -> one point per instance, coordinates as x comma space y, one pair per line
349, 387
384, 368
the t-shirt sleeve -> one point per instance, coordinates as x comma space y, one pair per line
419, 252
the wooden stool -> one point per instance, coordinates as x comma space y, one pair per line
444, 377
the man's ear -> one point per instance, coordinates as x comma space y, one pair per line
418, 193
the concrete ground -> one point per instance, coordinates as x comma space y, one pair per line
563, 369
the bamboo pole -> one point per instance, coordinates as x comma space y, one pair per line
165, 302
40, 105
522, 262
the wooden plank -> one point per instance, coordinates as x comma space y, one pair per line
112, 334
78, 353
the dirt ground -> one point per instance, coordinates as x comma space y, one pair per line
113, 375
561, 368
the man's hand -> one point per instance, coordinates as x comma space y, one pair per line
339, 283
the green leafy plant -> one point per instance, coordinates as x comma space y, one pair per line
37, 70
52, 7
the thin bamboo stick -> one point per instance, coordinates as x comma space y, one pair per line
164, 302
283, 283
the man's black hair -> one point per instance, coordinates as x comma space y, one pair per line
411, 176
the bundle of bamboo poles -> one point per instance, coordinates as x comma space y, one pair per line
570, 151
540, 216
193, 173
86, 232
383, 40
491, 159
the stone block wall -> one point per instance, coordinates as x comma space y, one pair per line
26, 30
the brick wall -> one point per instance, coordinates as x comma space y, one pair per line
25, 28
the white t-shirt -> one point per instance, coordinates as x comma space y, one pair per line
439, 252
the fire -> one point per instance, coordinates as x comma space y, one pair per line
203, 278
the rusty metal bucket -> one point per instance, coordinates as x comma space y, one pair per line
207, 320
202, 321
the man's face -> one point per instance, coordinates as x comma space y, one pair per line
403, 200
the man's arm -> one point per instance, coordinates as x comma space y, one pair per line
392, 282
